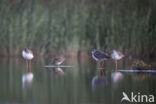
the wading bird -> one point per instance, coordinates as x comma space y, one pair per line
57, 60
28, 56
99, 55
116, 55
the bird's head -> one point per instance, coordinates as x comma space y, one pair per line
93, 50
25, 49
113, 51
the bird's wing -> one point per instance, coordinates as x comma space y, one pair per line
100, 54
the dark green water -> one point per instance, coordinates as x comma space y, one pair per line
78, 85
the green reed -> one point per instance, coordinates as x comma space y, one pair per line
74, 26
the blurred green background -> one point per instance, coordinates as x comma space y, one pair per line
75, 25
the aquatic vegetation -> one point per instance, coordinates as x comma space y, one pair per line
141, 65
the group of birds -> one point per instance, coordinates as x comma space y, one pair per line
28, 56
101, 56
98, 55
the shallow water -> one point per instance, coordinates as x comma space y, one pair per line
80, 84
137, 71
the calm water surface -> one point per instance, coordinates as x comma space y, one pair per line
81, 84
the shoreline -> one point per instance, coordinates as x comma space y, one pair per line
80, 54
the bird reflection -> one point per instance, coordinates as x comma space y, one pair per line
99, 81
27, 79
57, 71
116, 77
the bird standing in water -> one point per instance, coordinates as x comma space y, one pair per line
99, 55
116, 55
28, 56
57, 60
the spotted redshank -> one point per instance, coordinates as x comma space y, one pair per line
116, 55
28, 56
99, 55
57, 60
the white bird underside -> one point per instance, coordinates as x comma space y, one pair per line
116, 55
27, 56
58, 63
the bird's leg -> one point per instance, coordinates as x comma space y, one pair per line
102, 64
116, 65
100, 69
27, 65
30, 65
101, 73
